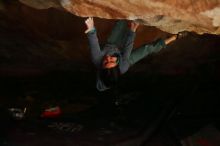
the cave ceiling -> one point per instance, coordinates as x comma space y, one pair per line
38, 36
173, 16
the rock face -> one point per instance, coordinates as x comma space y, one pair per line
36, 41
173, 16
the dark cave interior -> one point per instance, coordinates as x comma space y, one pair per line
45, 61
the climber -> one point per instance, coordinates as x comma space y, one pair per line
117, 56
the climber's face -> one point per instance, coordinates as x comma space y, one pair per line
109, 61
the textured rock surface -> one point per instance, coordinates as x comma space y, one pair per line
201, 16
34, 41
